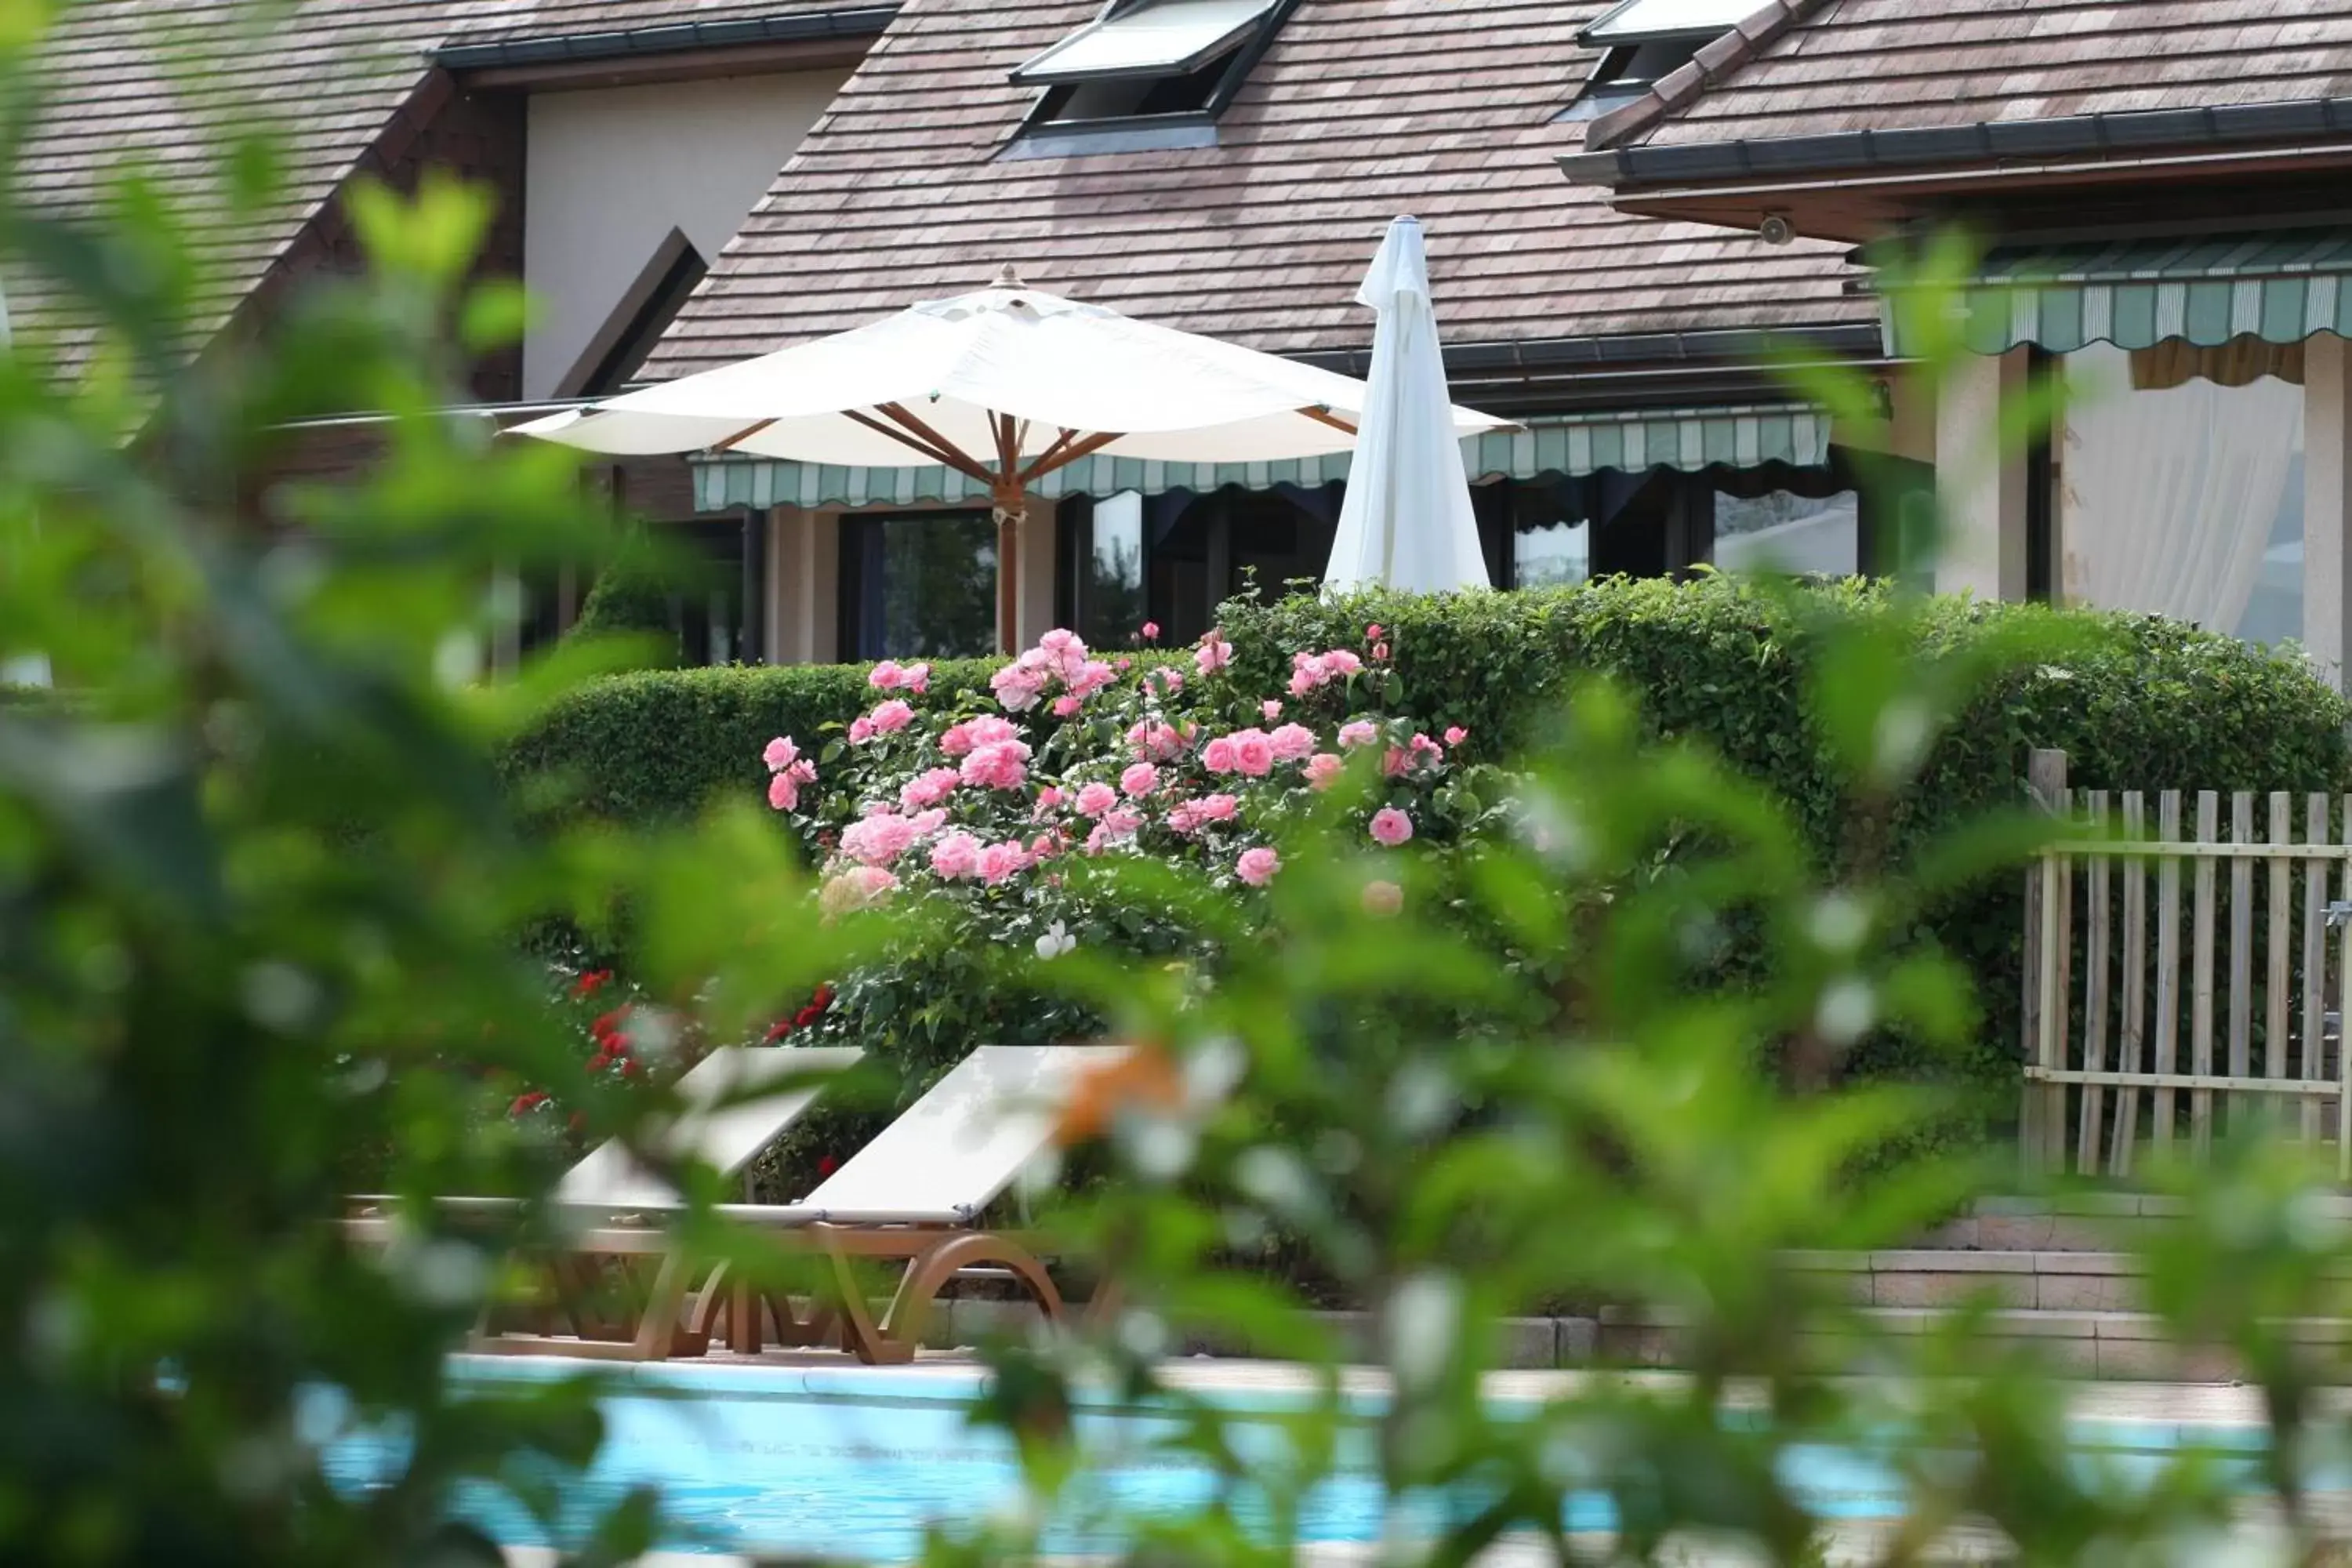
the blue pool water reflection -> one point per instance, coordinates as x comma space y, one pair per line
854, 1463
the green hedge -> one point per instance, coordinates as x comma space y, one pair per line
658, 746
2136, 702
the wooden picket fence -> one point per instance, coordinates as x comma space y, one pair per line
2185, 976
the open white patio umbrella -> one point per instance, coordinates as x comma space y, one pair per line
1006, 385
1406, 522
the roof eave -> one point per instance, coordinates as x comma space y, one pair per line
847, 22
1989, 144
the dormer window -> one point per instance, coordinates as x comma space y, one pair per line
1150, 66
1644, 40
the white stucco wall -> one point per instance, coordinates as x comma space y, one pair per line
612, 170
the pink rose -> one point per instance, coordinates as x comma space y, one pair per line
915, 677
1000, 765
1394, 764
1047, 799
1374, 632
926, 823
1253, 752
999, 861
1140, 780
888, 677
1218, 757
891, 717
1383, 898
1045, 847
1340, 662
1121, 822
1380, 653
1390, 826
1213, 653
1067, 706
1362, 732
1456, 735
1150, 631
1427, 753
858, 887
1292, 742
878, 839
1218, 808
1018, 687
926, 789
956, 856
860, 730
1271, 709
1155, 742
1257, 867
1091, 677
1323, 769
1171, 679
784, 793
781, 754
1096, 798
984, 730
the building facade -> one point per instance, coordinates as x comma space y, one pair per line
686, 183
2153, 195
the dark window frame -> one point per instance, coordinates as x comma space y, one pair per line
1045, 131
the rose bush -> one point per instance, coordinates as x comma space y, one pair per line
991, 813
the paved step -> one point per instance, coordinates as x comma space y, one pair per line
2077, 1222
2125, 1345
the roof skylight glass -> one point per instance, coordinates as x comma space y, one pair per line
1155, 38
1636, 20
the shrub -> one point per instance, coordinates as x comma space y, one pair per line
658, 746
2135, 701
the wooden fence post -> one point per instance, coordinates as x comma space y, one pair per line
2041, 1111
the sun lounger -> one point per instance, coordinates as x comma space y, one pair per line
912, 1197
733, 1105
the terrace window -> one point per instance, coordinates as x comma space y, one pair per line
1146, 73
1643, 41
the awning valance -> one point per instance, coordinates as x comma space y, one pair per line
1690, 439
2278, 287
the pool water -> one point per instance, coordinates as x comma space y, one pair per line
856, 1463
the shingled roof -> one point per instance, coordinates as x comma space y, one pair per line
1889, 65
1359, 111
132, 83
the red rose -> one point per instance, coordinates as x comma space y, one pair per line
629, 1068
780, 1029
823, 999
826, 1165
591, 983
527, 1102
599, 1062
807, 1017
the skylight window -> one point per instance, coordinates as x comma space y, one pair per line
1155, 38
1645, 40
1146, 64
1637, 21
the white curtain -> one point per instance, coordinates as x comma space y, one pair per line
2170, 496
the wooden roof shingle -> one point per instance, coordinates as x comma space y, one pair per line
1882, 65
1359, 111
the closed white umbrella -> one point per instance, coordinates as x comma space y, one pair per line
1407, 521
1006, 385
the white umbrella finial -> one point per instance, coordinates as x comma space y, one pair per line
1006, 278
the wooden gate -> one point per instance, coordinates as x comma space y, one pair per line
2184, 978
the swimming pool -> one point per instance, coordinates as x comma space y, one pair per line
855, 1462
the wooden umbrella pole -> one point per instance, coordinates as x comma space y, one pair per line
1009, 504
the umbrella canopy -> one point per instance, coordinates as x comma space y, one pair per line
1006, 385
1406, 522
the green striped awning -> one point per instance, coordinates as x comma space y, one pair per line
2281, 287
1688, 439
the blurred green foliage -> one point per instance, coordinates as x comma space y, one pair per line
260, 880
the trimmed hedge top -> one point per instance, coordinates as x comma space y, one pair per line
2137, 703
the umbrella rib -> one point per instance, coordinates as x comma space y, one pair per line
740, 437
1324, 416
1067, 451
931, 444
